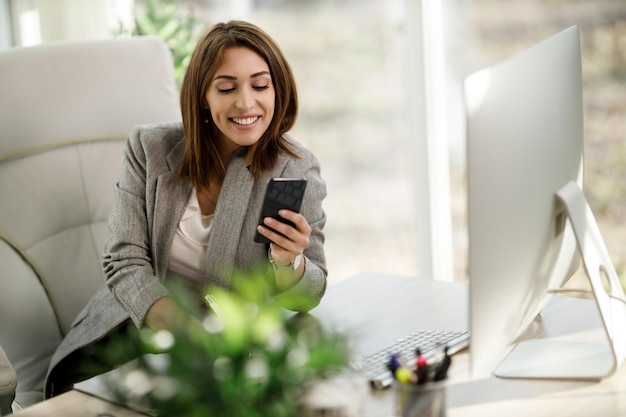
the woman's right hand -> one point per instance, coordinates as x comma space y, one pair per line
164, 314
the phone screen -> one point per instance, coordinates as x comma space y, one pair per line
281, 193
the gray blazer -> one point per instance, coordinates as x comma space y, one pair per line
150, 200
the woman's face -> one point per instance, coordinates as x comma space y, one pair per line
241, 98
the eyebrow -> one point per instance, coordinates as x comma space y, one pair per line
231, 78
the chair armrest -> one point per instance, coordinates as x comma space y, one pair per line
8, 383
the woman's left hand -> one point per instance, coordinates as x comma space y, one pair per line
287, 242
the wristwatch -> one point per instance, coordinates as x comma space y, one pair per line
290, 267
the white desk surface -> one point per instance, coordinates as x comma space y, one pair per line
375, 307
76, 404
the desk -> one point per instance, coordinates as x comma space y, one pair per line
77, 404
375, 308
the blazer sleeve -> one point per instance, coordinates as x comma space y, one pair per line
308, 292
128, 264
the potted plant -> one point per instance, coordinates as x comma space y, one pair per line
250, 358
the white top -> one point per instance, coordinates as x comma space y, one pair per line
189, 247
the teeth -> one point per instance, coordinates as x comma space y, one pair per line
246, 121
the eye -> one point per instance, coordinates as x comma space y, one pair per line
225, 86
261, 87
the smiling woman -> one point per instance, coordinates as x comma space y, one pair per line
240, 99
240, 60
189, 197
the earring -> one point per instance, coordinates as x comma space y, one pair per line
205, 114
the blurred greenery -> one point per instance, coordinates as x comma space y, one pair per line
249, 358
178, 27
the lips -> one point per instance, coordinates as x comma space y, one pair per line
245, 121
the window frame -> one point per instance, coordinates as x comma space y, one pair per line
428, 134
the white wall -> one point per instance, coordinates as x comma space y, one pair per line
36, 21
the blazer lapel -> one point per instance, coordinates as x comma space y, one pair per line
170, 200
230, 212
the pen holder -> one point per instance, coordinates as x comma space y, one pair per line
427, 400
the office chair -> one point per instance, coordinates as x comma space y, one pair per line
66, 109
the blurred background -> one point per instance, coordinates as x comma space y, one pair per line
380, 98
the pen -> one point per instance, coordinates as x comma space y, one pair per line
421, 367
404, 375
441, 371
393, 363
400, 372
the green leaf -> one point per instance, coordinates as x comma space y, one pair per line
259, 363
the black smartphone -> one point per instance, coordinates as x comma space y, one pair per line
281, 193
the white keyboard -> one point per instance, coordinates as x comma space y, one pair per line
374, 366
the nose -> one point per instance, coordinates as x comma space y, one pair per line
245, 99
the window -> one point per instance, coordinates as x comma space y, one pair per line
483, 32
357, 72
6, 38
380, 91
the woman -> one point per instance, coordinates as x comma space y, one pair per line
189, 196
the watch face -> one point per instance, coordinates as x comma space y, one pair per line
291, 267
296, 262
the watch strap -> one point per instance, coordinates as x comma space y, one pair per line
292, 266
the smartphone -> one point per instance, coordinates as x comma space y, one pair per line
281, 193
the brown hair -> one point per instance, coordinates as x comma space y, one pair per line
201, 159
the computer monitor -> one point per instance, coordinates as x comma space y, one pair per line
525, 144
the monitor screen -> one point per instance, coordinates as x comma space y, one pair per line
525, 142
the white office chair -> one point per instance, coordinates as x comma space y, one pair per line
66, 109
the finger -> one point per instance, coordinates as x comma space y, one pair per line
278, 238
281, 227
300, 223
286, 236
291, 216
293, 243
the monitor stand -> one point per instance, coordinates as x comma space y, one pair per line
558, 359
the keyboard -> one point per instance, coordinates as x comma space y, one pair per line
430, 342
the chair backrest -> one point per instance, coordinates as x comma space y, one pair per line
66, 109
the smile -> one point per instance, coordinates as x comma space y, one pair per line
245, 121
